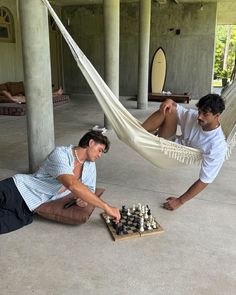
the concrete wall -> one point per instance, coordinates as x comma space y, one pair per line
86, 27
85, 24
11, 67
189, 55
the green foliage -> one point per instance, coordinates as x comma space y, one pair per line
225, 74
221, 36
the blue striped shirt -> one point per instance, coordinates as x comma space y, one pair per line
42, 186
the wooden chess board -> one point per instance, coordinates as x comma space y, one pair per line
130, 226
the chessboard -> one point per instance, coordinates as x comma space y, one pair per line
135, 222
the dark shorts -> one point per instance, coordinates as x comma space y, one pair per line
14, 212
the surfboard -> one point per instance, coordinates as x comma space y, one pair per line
158, 71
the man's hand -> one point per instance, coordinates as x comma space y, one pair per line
81, 203
167, 105
113, 212
172, 203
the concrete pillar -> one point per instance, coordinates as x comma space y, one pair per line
143, 64
37, 80
111, 10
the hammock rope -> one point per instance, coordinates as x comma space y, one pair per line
158, 151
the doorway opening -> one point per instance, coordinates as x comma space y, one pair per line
225, 56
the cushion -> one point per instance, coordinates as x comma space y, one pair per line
12, 109
3, 87
16, 88
55, 210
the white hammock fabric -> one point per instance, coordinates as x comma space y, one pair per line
228, 117
158, 151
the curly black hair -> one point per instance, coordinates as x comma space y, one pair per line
212, 103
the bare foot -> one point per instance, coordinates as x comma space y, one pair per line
58, 92
19, 98
81, 203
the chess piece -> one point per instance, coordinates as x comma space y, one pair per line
146, 214
139, 207
119, 229
123, 209
128, 212
149, 227
141, 229
134, 207
107, 219
143, 209
154, 224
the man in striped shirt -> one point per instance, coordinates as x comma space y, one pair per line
66, 169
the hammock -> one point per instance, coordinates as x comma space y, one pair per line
157, 150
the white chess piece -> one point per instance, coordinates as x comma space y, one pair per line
128, 212
107, 219
134, 207
143, 209
146, 215
151, 219
141, 225
149, 225
154, 224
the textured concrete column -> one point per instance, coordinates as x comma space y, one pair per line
111, 10
144, 40
37, 80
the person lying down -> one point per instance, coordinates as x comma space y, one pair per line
20, 98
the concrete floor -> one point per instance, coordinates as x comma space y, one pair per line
195, 255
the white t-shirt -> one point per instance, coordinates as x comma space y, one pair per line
212, 143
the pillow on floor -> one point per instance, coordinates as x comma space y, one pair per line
16, 88
55, 210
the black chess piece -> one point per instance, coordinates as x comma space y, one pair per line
114, 225
119, 229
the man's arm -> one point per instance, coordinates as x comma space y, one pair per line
174, 203
81, 191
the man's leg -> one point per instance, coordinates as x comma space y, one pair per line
8, 96
153, 122
14, 213
165, 123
